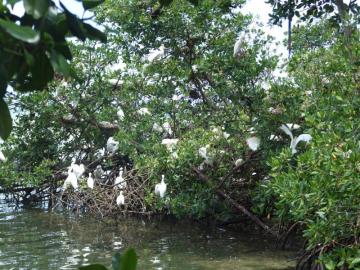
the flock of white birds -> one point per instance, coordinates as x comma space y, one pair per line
76, 171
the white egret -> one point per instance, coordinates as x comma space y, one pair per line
71, 180
120, 181
90, 181
166, 126
156, 127
120, 200
144, 111
170, 143
120, 114
2, 157
238, 162
226, 135
239, 49
295, 140
253, 143
78, 170
160, 188
111, 145
156, 55
203, 152
99, 172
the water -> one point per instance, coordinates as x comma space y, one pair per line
36, 239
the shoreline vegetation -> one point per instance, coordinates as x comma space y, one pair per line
179, 113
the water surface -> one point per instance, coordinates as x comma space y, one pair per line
36, 239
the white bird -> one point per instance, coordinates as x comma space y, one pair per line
120, 114
111, 145
156, 55
170, 144
238, 162
99, 172
295, 140
166, 126
144, 111
78, 170
253, 143
90, 181
239, 48
160, 188
156, 127
120, 181
2, 157
71, 180
203, 152
292, 126
120, 200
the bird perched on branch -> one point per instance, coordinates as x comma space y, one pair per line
120, 181
253, 143
90, 182
120, 114
111, 145
120, 200
2, 157
160, 188
239, 48
156, 55
99, 172
295, 140
78, 170
71, 180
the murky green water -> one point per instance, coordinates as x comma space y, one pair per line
35, 239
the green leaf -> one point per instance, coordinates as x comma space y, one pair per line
23, 33
165, 3
59, 63
42, 72
128, 260
36, 8
93, 267
5, 120
75, 25
29, 58
94, 33
116, 259
89, 4
3, 82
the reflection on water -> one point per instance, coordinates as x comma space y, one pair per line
35, 239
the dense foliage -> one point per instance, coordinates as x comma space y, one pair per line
33, 46
188, 114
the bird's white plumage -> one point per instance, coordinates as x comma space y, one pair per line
238, 162
120, 114
99, 172
111, 145
239, 47
293, 126
90, 181
71, 180
120, 181
156, 55
144, 111
78, 170
167, 127
157, 128
2, 157
120, 200
160, 188
203, 152
253, 143
295, 140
